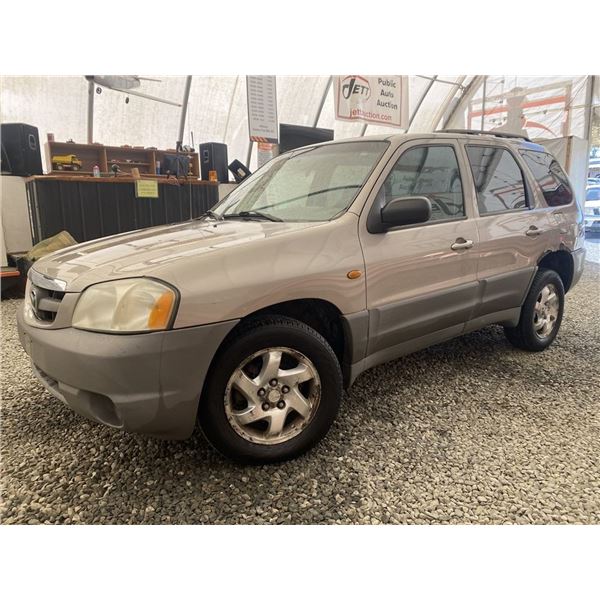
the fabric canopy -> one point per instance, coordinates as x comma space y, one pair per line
217, 110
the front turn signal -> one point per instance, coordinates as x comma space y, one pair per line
161, 311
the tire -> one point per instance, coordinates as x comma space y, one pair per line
254, 350
531, 333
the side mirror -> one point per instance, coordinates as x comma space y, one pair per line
407, 210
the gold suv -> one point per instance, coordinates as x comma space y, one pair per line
327, 261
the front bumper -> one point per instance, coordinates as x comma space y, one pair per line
148, 383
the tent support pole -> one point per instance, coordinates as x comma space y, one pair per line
322, 102
90, 112
421, 99
467, 94
589, 100
184, 106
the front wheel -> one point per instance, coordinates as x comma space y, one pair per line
273, 392
541, 313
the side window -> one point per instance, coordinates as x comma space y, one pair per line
498, 179
550, 177
430, 171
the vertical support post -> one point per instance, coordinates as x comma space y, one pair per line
589, 101
483, 102
249, 155
184, 105
322, 102
90, 112
588, 117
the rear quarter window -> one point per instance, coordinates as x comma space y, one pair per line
498, 179
550, 176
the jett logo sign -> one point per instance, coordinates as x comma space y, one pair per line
381, 99
354, 84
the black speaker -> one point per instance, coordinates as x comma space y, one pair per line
213, 157
239, 171
21, 145
176, 164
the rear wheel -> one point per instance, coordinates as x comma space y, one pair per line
541, 314
273, 392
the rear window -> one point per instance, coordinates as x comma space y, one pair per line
498, 179
550, 177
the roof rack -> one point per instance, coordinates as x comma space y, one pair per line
500, 134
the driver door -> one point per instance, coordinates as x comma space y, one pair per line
421, 279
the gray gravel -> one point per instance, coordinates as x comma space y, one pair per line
471, 431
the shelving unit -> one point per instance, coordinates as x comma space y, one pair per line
126, 157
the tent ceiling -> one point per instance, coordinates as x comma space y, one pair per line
218, 111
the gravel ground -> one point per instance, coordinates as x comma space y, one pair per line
471, 431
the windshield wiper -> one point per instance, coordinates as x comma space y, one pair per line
212, 214
252, 214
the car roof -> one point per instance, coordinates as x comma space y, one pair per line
399, 138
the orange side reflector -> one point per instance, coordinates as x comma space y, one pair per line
161, 311
353, 274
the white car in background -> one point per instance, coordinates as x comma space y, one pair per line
592, 209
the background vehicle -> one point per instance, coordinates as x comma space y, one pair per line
327, 261
592, 209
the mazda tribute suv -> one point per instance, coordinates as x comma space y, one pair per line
328, 260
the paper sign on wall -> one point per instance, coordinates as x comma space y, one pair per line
380, 99
146, 188
262, 108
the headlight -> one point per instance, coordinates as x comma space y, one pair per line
126, 305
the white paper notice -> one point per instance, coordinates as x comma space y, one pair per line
262, 108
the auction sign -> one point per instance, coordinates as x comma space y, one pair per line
381, 99
262, 108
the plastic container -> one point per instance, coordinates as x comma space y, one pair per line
96, 171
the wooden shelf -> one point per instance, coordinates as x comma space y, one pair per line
144, 159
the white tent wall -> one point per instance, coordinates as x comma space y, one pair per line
217, 109
53, 104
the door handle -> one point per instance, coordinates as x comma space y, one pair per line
533, 231
462, 244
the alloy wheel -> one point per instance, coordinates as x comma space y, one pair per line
545, 311
272, 395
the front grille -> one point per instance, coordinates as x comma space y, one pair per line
44, 302
45, 295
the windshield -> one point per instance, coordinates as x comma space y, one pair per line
309, 184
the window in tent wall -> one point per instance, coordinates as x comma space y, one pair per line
539, 107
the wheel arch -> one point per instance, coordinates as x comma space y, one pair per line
560, 261
322, 315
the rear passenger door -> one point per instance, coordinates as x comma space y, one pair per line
511, 232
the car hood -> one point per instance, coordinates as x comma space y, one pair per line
157, 251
